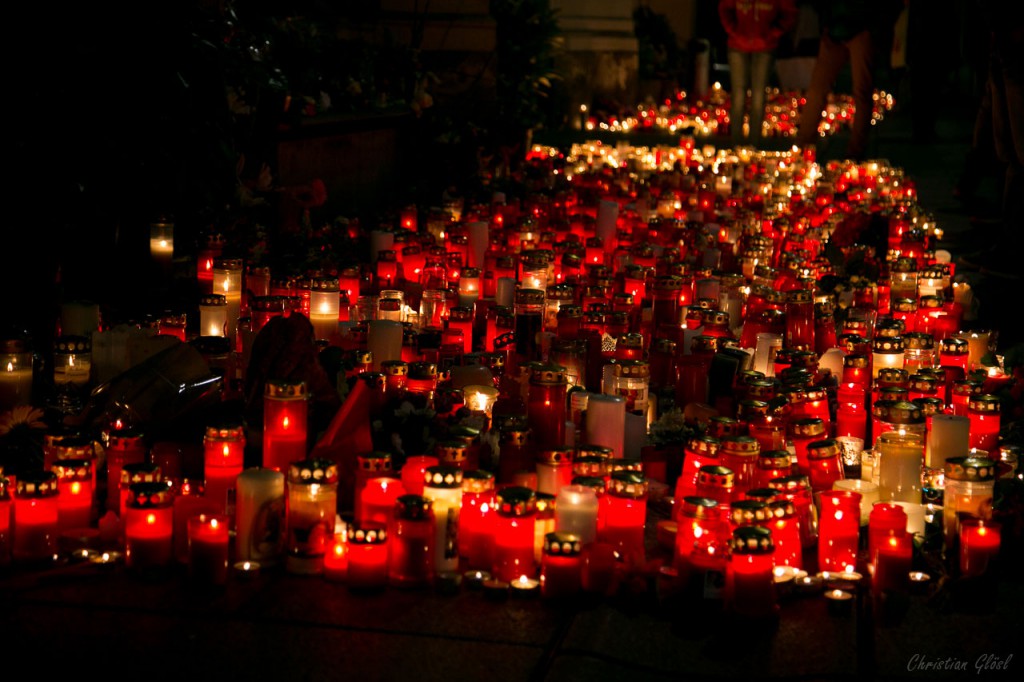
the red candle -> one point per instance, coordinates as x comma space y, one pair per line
5, 520
223, 457
377, 500
771, 464
36, 514
983, 411
188, 502
979, 546
740, 454
797, 489
804, 432
476, 521
336, 559
697, 453
124, 446
750, 581
137, 472
884, 520
784, 524
411, 555
514, 533
413, 470
208, 537
368, 557
838, 530
892, 559
825, 466
149, 526
75, 485
627, 514
546, 405
561, 573
285, 414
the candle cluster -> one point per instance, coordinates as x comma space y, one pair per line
548, 334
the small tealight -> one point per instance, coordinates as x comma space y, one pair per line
105, 558
495, 590
785, 577
919, 582
447, 583
525, 587
247, 570
840, 602
474, 579
809, 584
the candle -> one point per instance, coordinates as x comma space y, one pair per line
75, 487
868, 494
384, 341
979, 546
15, 375
227, 282
840, 602
368, 557
983, 412
838, 530
189, 501
901, 457
377, 500
576, 512
260, 515
514, 533
413, 470
443, 487
149, 526
324, 306
213, 315
285, 413
336, 558
161, 243
561, 566
750, 582
606, 422
312, 506
36, 517
208, 549
224, 449
970, 486
413, 555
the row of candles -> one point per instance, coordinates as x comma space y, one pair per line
645, 272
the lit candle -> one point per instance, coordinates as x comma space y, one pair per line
838, 530
442, 485
227, 281
285, 413
979, 546
368, 557
75, 484
412, 553
750, 581
561, 567
377, 500
324, 306
514, 533
260, 515
901, 456
476, 520
36, 517
868, 494
208, 539
983, 412
336, 558
15, 376
224, 450
161, 243
312, 506
969, 489
149, 526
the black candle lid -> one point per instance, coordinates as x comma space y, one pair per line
442, 477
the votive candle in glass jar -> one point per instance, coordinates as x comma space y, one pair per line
224, 455
962, 392
838, 530
368, 557
546, 405
887, 351
918, 351
376, 501
213, 315
983, 411
561, 566
979, 546
136, 472
312, 506
149, 526
868, 494
897, 416
576, 512
750, 580
901, 458
825, 465
208, 539
968, 494
740, 454
227, 281
771, 464
948, 436
285, 415
718, 483
476, 520
954, 353
782, 520
324, 306
769, 431
627, 514
698, 452
161, 243
72, 362
883, 519
75, 483
442, 485
5, 520
797, 489
372, 465
36, 517
412, 560
260, 516
16, 373
529, 320
554, 469
803, 432
892, 560
514, 533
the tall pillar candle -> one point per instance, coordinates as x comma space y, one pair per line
901, 458
384, 341
606, 422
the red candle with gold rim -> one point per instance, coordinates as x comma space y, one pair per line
838, 530
36, 517
223, 456
149, 526
750, 582
979, 546
208, 538
75, 485
285, 415
476, 521
514, 534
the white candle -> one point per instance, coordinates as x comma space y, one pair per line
259, 515
915, 516
606, 422
764, 354
384, 341
576, 509
15, 382
949, 437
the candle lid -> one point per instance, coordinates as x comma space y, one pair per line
285, 389
887, 344
721, 426
750, 410
530, 296
904, 305
545, 505
893, 376
460, 313
747, 511
561, 292
704, 445
451, 452
854, 344
441, 476
150, 495
213, 300
327, 284
741, 445
930, 406
36, 484
889, 327
395, 368
516, 501
569, 312
69, 345
72, 447
823, 449
807, 427
477, 481
73, 469
953, 345
555, 456
716, 317
752, 540
422, 370
268, 304
716, 476
313, 471
696, 507
984, 403
374, 461
931, 302
562, 544
897, 412
791, 484
781, 509
967, 387
799, 296
368, 534
630, 484
227, 264
970, 468
140, 472
230, 431
774, 459
668, 283
595, 483
704, 344
905, 264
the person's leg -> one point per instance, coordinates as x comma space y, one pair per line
739, 77
831, 57
863, 87
760, 68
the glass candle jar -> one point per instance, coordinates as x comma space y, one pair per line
969, 489
285, 415
884, 519
750, 580
900, 416
529, 319
782, 521
16, 373
312, 506
892, 560
838, 530
983, 412
576, 512
376, 501
627, 513
554, 469
718, 483
797, 489
136, 472
368, 564
887, 351
442, 485
514, 533
771, 464
227, 282
208, 541
36, 517
324, 306
954, 353
561, 566
223, 459
901, 457
546, 405
476, 519
5, 520
979, 547
72, 362
740, 454
75, 484
803, 432
412, 560
149, 526
825, 464
697, 453
260, 516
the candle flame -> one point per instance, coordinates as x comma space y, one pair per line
213, 523
284, 422
246, 566
151, 519
10, 366
76, 488
227, 450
